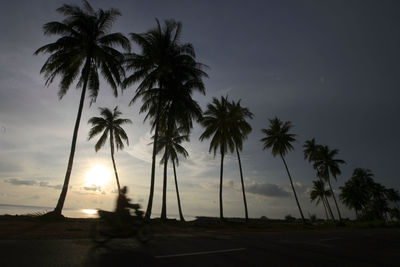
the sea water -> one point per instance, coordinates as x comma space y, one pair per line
67, 212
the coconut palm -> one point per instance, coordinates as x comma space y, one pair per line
327, 166
163, 62
170, 141
311, 151
109, 125
278, 139
85, 47
218, 124
240, 132
355, 192
318, 194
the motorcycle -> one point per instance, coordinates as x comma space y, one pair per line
112, 225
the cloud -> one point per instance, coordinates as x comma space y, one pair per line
267, 189
92, 187
15, 181
46, 184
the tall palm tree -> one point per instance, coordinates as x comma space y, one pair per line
85, 47
278, 138
217, 124
240, 132
170, 140
109, 124
327, 166
163, 57
311, 152
318, 193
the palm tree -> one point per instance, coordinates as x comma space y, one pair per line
355, 192
163, 59
327, 166
311, 152
318, 193
85, 46
240, 132
170, 140
278, 138
217, 124
109, 124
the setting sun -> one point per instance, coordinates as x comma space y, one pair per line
99, 175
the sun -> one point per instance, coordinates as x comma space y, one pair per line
99, 176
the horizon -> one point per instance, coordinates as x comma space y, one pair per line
330, 69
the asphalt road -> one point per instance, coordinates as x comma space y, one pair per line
370, 247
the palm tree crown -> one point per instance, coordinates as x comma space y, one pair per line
278, 137
218, 123
84, 47
109, 124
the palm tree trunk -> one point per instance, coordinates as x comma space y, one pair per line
294, 191
164, 195
327, 203
61, 199
334, 198
113, 161
325, 208
177, 194
221, 211
153, 165
241, 178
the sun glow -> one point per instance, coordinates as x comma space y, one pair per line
98, 176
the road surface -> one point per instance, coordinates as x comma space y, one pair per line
369, 247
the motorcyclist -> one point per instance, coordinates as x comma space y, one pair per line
123, 205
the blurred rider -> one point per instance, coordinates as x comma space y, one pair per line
123, 204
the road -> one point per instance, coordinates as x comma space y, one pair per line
370, 247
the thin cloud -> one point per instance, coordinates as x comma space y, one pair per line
16, 181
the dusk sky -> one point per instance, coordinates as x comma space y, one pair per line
330, 67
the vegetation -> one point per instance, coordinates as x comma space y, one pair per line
171, 141
218, 123
318, 194
167, 73
85, 47
109, 124
370, 200
240, 132
279, 140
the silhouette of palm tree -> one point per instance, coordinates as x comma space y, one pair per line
163, 63
109, 124
311, 150
218, 124
170, 140
238, 115
318, 193
278, 138
326, 166
85, 46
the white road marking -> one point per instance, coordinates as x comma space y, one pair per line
200, 253
330, 239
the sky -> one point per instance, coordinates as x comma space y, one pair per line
329, 67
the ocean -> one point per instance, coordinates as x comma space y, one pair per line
25, 210
67, 212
